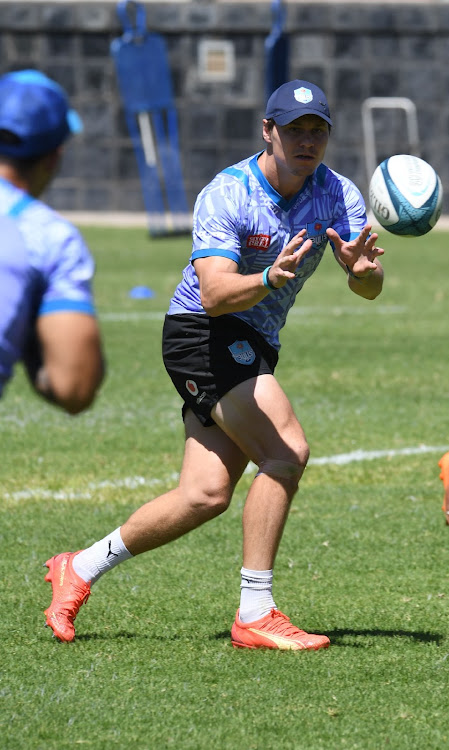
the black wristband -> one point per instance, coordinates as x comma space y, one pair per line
353, 276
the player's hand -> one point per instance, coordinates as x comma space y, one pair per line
288, 260
359, 254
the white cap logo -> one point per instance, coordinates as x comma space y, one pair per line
303, 95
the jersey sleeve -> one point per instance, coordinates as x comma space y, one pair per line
16, 294
350, 211
68, 274
218, 218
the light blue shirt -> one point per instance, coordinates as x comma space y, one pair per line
238, 215
45, 267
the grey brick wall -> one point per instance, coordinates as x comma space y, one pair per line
353, 51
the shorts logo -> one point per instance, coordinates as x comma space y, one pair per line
242, 352
192, 387
260, 241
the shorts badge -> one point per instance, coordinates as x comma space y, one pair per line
242, 352
192, 387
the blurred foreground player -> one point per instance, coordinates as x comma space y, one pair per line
260, 230
47, 315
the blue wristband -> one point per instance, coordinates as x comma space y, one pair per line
266, 281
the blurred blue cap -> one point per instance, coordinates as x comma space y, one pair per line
36, 110
295, 99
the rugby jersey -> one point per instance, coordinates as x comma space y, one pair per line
240, 216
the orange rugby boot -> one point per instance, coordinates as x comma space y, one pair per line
274, 631
69, 593
443, 463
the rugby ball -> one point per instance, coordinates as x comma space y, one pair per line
405, 195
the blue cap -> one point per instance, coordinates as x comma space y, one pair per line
295, 99
36, 109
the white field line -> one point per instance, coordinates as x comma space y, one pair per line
130, 317
349, 458
137, 482
136, 317
128, 483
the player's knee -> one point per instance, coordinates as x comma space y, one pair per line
210, 502
284, 470
290, 470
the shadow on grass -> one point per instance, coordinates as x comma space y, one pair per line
344, 637
125, 635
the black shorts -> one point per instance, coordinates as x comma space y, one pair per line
206, 357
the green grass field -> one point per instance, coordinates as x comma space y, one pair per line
364, 559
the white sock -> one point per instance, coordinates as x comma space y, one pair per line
102, 556
256, 599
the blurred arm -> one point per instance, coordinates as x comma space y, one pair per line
64, 362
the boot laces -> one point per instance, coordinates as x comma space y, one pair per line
281, 624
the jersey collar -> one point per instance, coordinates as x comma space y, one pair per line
271, 192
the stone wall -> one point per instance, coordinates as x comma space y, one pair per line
353, 51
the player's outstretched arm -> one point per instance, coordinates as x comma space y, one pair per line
64, 362
359, 260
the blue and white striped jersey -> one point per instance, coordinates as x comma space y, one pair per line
45, 267
238, 215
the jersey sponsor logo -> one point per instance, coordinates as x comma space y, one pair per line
303, 95
242, 352
192, 387
260, 241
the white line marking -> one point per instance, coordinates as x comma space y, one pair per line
136, 482
129, 483
348, 458
131, 317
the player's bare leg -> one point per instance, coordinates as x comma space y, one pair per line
254, 422
264, 516
259, 417
211, 468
